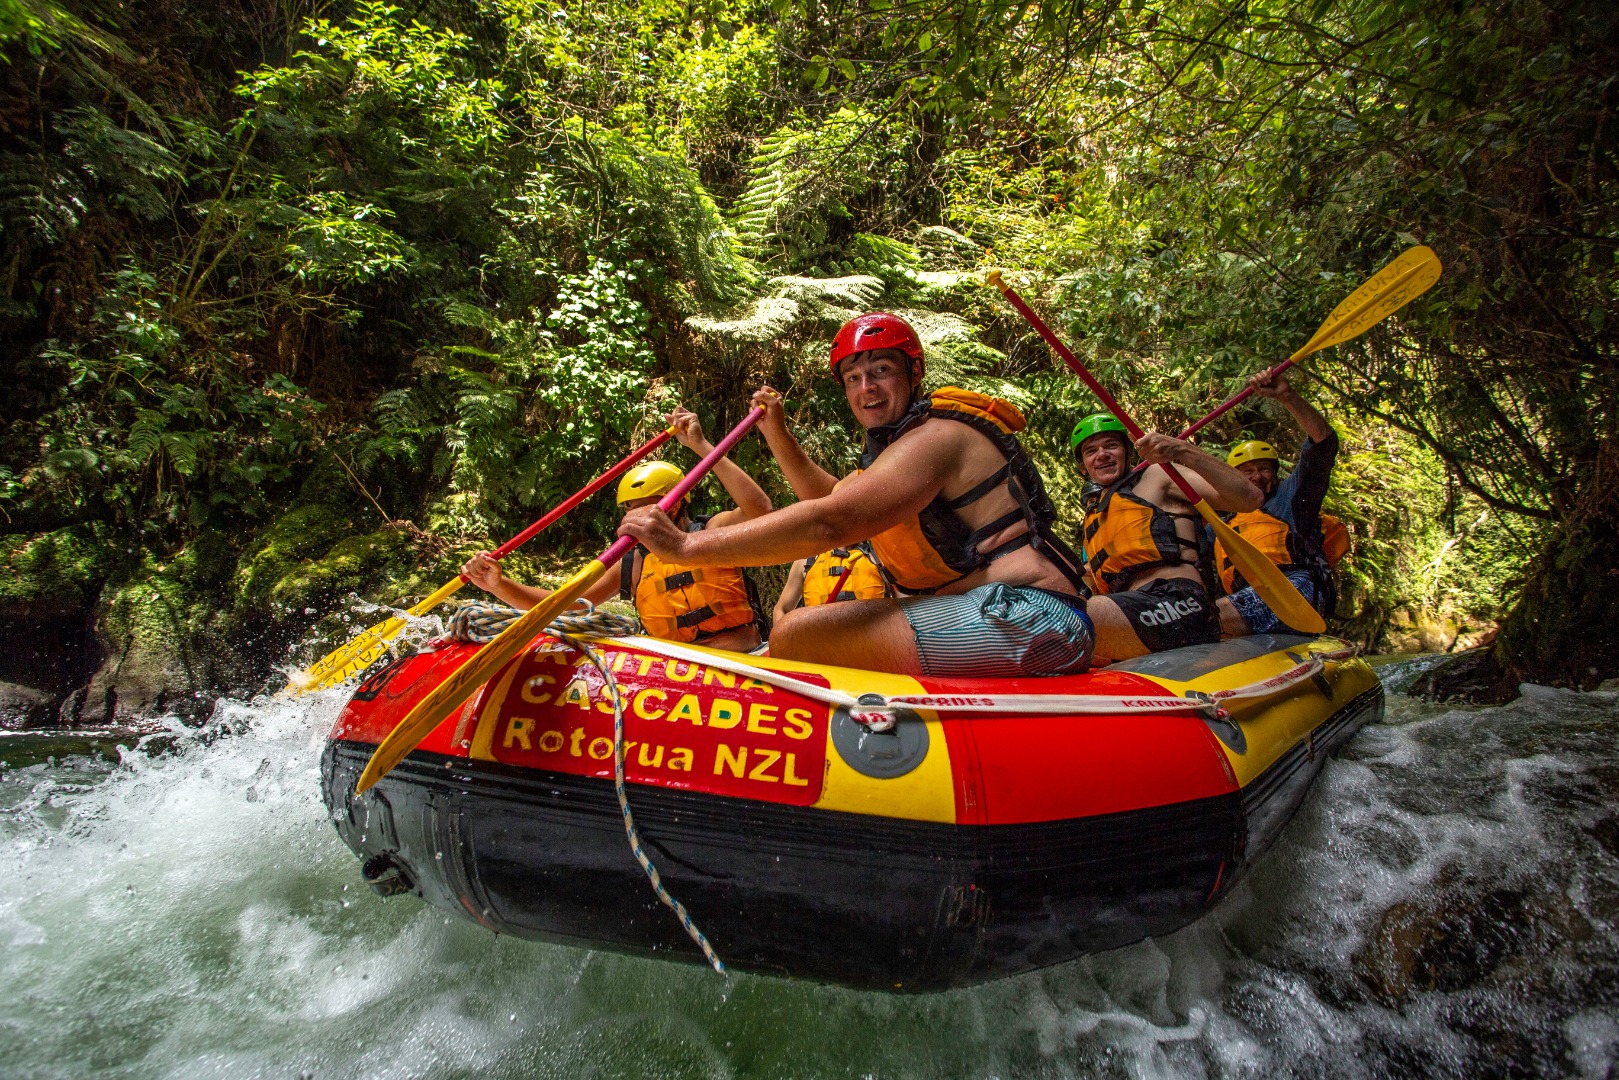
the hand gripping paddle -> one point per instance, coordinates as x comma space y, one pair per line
444, 698
1265, 576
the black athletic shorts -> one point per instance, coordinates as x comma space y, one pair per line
1170, 612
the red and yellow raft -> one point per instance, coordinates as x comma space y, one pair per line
999, 826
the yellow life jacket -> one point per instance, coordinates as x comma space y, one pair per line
824, 572
690, 603
937, 548
1126, 536
1272, 537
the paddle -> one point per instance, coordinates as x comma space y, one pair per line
358, 652
1265, 576
1388, 290
447, 695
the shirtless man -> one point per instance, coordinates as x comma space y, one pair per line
985, 587
1141, 541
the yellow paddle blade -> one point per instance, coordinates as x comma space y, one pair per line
360, 651
1384, 293
1282, 596
444, 698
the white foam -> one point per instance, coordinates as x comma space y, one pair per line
193, 913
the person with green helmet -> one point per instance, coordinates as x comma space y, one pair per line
1289, 528
714, 606
1143, 545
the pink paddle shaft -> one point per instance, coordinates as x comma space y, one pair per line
578, 497
1097, 388
621, 547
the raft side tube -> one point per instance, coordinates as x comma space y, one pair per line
859, 900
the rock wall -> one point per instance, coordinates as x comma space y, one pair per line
94, 634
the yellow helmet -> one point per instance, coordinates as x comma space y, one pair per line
1252, 450
648, 480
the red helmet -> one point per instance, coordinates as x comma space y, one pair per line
879, 330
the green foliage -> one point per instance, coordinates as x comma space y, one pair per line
54, 574
440, 265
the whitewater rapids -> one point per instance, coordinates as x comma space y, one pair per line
1443, 905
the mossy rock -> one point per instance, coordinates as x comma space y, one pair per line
55, 574
355, 564
170, 638
299, 536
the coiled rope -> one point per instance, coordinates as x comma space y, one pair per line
491, 619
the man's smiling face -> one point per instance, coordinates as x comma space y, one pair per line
878, 386
1105, 457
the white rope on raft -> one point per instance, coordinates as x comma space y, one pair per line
621, 789
881, 716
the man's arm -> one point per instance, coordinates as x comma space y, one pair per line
1281, 389
898, 485
750, 498
792, 592
485, 573
807, 479
1222, 486
1297, 499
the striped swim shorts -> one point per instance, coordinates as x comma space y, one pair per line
998, 630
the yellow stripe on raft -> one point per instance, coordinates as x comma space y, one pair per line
1271, 726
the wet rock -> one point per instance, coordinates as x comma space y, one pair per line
23, 707
170, 643
1446, 945
49, 583
1474, 677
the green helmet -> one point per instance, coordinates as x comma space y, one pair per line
1095, 424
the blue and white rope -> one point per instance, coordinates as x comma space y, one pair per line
623, 795
480, 622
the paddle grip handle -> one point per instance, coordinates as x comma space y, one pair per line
621, 547
1089, 380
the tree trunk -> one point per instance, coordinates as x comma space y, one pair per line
1564, 629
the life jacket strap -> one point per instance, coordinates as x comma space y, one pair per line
693, 617
982, 488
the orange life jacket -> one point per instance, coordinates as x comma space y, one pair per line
1126, 536
690, 603
937, 548
822, 573
1277, 543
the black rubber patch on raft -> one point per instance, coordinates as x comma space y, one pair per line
882, 755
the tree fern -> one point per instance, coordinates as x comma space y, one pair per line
803, 180
655, 195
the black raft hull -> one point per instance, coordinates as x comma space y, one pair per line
865, 900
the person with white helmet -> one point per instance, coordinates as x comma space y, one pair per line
717, 606
1289, 528
955, 513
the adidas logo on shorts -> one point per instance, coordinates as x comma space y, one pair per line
1167, 611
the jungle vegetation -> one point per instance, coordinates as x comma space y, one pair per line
305, 298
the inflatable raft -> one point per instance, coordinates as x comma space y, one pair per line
996, 826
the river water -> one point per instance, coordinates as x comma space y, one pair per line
1443, 905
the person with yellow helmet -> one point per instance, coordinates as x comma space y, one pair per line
952, 506
711, 605
852, 571
1290, 527
1143, 542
